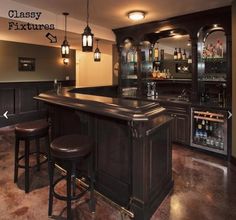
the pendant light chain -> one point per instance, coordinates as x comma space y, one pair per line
65, 27
87, 11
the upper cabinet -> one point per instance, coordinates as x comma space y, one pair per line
213, 71
193, 52
166, 55
212, 51
129, 76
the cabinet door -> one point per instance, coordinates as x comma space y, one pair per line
180, 128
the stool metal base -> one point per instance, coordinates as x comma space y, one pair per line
26, 156
70, 183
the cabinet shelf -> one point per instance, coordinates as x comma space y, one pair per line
212, 60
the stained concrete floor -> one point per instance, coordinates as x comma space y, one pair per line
204, 189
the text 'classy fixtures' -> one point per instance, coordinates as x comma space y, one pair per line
65, 47
97, 54
87, 36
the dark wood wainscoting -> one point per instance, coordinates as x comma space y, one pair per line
17, 99
233, 160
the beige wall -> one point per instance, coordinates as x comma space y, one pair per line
234, 77
90, 73
48, 61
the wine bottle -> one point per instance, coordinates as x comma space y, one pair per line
179, 55
175, 54
184, 55
221, 50
156, 54
150, 55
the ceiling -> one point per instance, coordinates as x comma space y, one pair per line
39, 37
113, 13
104, 16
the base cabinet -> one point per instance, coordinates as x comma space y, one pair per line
180, 128
180, 124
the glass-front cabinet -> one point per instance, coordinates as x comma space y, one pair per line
212, 65
165, 56
129, 69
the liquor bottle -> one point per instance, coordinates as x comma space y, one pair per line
184, 55
221, 50
218, 53
162, 55
179, 55
189, 59
156, 54
175, 54
150, 54
135, 56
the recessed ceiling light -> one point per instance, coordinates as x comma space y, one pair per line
136, 15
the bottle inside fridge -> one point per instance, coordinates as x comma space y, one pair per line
209, 130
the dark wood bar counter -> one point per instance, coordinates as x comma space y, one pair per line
132, 141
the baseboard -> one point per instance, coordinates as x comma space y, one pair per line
233, 160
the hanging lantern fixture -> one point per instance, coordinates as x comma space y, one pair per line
65, 47
87, 36
97, 54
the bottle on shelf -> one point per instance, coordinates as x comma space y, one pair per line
135, 56
221, 50
179, 55
175, 54
189, 59
156, 53
162, 55
184, 55
150, 55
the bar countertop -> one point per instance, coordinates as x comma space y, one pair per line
126, 109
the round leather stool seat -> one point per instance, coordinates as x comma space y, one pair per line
68, 151
32, 129
28, 131
71, 147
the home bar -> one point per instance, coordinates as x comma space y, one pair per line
118, 110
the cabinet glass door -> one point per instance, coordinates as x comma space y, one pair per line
212, 65
129, 70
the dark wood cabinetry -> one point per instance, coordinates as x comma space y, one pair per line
192, 25
132, 145
209, 81
181, 123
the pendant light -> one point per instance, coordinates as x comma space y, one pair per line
97, 54
65, 47
87, 36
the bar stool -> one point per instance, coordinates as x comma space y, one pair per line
70, 150
28, 131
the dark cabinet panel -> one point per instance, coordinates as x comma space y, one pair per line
160, 156
27, 102
18, 99
181, 123
6, 97
113, 158
180, 128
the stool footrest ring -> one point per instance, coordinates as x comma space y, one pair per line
64, 198
23, 156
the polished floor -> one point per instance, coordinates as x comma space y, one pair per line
204, 189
